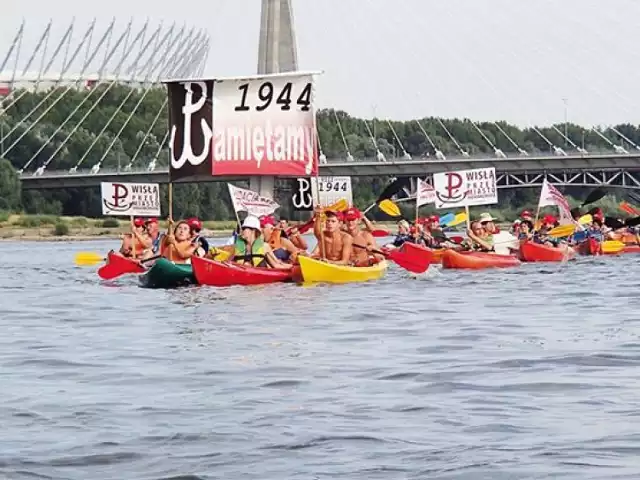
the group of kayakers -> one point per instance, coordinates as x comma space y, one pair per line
345, 238
264, 241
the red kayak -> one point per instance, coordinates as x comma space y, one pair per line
477, 260
589, 247
118, 265
536, 252
227, 274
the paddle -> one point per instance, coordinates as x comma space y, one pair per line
110, 271
612, 246
594, 196
88, 258
583, 220
634, 197
562, 231
409, 256
379, 233
390, 208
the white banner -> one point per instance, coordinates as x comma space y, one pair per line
550, 196
251, 202
465, 188
328, 190
265, 125
130, 199
425, 193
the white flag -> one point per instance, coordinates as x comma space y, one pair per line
251, 202
551, 197
425, 194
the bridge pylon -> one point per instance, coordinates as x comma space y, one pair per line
277, 53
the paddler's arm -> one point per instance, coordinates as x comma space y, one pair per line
291, 248
372, 245
184, 249
273, 261
368, 225
347, 249
297, 239
484, 244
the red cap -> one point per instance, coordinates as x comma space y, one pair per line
152, 220
550, 219
412, 229
194, 223
526, 213
434, 219
139, 222
267, 220
352, 214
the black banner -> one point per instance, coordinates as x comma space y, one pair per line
190, 127
301, 195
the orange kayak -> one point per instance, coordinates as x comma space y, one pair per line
535, 252
477, 260
437, 256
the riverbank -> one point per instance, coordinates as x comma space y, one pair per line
49, 228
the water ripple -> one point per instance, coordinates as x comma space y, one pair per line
526, 373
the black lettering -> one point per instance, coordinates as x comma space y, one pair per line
265, 94
304, 100
284, 98
244, 88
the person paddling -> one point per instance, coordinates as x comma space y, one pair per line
360, 257
283, 249
337, 244
196, 238
177, 246
137, 243
250, 249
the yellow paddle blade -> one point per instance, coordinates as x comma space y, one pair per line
460, 218
88, 258
612, 246
538, 225
562, 231
390, 208
585, 219
340, 206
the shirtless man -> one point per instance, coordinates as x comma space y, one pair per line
360, 256
337, 245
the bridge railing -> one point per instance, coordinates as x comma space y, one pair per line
458, 158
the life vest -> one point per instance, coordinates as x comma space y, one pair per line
275, 242
256, 256
171, 253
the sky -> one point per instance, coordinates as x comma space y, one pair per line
523, 61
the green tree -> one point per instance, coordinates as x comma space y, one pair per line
9, 186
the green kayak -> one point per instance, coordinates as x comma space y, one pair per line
166, 274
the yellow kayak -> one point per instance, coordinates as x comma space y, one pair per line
315, 271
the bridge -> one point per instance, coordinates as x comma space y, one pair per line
140, 57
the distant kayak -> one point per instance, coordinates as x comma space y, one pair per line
477, 260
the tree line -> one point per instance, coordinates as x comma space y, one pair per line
64, 125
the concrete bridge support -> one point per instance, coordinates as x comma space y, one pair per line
277, 53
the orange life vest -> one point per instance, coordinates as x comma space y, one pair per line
275, 242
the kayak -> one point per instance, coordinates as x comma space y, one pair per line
477, 260
536, 252
118, 265
227, 274
166, 274
316, 271
437, 256
589, 247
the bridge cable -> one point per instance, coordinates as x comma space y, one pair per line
124, 35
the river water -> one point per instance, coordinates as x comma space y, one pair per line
522, 373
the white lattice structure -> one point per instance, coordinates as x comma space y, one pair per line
87, 56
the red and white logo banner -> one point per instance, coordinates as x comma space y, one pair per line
550, 196
265, 126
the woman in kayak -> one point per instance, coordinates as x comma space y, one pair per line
282, 248
178, 246
251, 249
137, 243
402, 235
